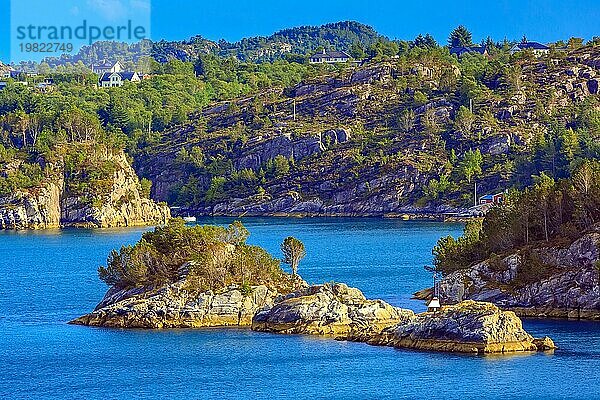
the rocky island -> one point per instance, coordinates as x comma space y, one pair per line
568, 287
207, 276
537, 254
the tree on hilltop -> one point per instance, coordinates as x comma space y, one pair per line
460, 37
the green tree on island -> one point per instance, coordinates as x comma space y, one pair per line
460, 37
293, 252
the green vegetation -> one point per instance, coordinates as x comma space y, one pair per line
460, 37
209, 257
292, 44
440, 121
550, 211
75, 119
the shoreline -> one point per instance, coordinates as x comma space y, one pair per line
421, 216
402, 217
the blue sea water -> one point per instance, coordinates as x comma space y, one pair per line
48, 278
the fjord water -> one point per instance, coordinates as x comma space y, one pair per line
48, 278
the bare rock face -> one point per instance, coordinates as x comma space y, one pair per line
52, 206
331, 309
258, 153
124, 206
32, 210
468, 327
173, 306
570, 290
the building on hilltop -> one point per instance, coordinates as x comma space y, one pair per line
117, 79
538, 49
106, 66
12, 74
329, 57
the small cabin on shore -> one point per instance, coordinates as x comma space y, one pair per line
497, 198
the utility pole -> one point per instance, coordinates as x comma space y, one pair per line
475, 195
294, 108
471, 105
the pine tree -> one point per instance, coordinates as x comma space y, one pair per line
460, 37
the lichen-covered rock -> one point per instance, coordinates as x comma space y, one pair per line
468, 327
174, 306
331, 309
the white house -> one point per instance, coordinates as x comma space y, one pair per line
538, 49
329, 57
117, 79
12, 74
106, 66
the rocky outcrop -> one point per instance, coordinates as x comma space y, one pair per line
569, 288
344, 314
333, 310
52, 205
256, 154
122, 206
468, 327
174, 306
38, 209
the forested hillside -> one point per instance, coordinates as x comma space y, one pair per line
412, 134
294, 44
411, 129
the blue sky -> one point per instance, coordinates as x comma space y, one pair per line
544, 21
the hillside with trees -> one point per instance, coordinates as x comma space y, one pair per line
293, 44
404, 134
412, 129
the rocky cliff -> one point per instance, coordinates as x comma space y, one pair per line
55, 202
39, 209
565, 283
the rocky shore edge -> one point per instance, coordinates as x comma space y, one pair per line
567, 288
332, 310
